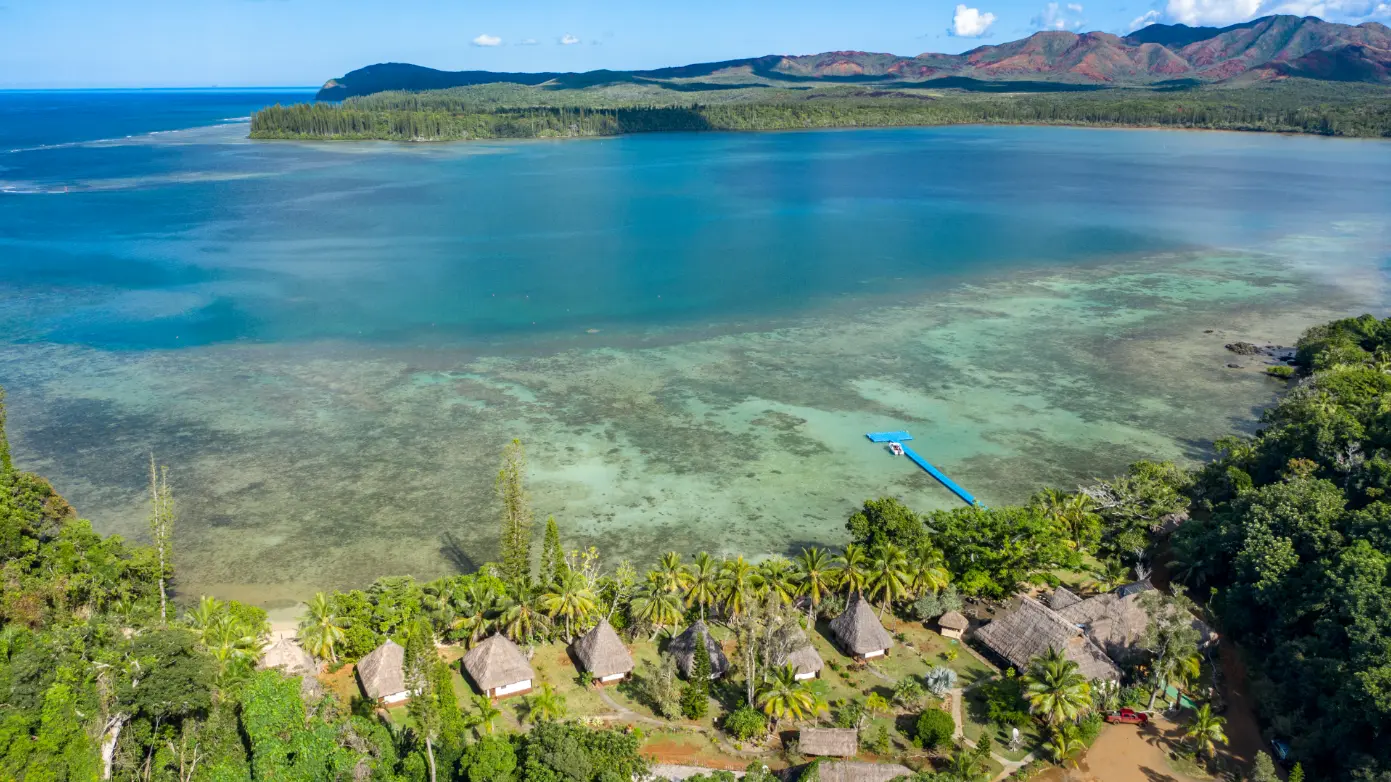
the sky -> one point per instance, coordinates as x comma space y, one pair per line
203, 43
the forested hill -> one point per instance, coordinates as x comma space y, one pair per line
517, 111
1269, 48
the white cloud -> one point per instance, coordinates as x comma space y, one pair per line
1148, 19
568, 40
970, 22
1054, 17
1224, 12
487, 40
528, 42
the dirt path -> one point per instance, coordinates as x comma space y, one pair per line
1125, 753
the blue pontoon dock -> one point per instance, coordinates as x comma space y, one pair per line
900, 438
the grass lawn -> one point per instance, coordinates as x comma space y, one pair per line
974, 711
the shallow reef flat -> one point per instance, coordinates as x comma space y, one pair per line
303, 466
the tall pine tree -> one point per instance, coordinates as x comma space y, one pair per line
552, 555
516, 514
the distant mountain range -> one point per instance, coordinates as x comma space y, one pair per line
1269, 48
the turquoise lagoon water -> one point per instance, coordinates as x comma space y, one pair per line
330, 343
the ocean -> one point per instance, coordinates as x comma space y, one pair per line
330, 343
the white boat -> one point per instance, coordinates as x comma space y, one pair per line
895, 448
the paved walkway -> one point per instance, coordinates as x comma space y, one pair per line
958, 715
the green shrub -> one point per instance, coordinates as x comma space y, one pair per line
745, 723
1281, 371
935, 728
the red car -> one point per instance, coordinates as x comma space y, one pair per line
1127, 717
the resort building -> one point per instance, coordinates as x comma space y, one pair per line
683, 647
287, 656
792, 647
601, 652
829, 742
858, 631
498, 668
382, 674
855, 771
953, 624
1096, 632
1033, 628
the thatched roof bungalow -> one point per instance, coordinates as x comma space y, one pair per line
858, 631
498, 668
1033, 628
953, 624
1116, 621
601, 652
855, 771
829, 742
683, 647
382, 674
288, 656
792, 647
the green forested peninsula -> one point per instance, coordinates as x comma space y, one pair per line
1283, 542
515, 111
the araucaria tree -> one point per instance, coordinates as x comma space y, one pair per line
424, 705
695, 696
552, 555
162, 530
516, 513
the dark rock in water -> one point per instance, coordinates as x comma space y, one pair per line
1208, 331
1243, 348
1234, 366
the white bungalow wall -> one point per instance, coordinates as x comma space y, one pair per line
508, 689
612, 677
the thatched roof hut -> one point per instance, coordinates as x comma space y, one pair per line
1116, 621
855, 771
1033, 628
289, 657
603, 654
683, 647
829, 742
953, 624
498, 667
858, 631
382, 673
792, 647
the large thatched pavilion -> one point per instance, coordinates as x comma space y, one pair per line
859, 632
829, 742
1032, 629
683, 648
498, 668
601, 652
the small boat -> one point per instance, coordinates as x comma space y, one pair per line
895, 448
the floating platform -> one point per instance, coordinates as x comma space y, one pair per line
900, 437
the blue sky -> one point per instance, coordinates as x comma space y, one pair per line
163, 43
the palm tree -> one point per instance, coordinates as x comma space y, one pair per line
779, 579
205, 615
1111, 574
321, 630
927, 570
1067, 744
1056, 688
471, 608
1205, 731
815, 575
888, 576
487, 713
704, 576
656, 606
519, 620
545, 705
671, 574
781, 696
851, 574
570, 597
738, 582
231, 642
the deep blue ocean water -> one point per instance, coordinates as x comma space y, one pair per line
137, 237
